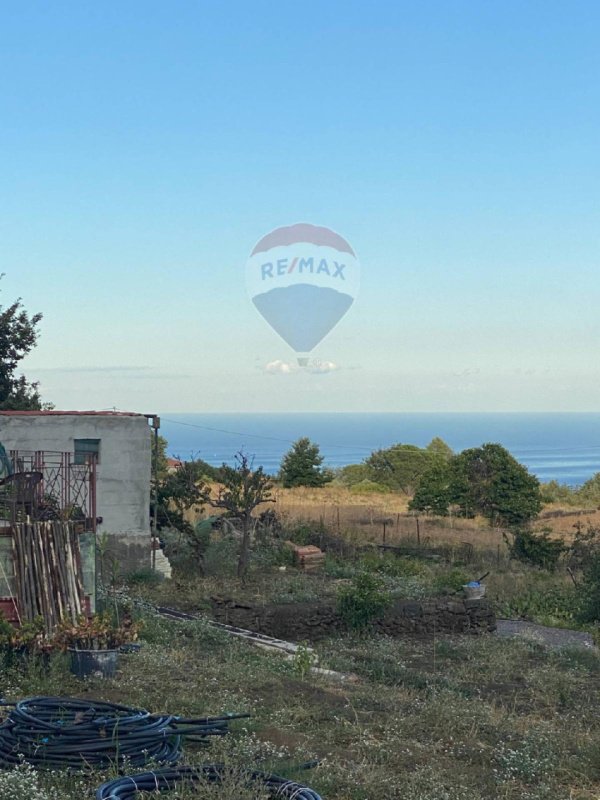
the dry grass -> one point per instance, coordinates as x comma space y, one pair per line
363, 517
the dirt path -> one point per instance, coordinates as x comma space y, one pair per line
551, 637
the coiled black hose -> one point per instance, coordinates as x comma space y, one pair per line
65, 732
127, 788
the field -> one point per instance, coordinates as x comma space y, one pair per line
340, 508
438, 717
442, 719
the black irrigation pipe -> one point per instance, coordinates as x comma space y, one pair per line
129, 787
65, 732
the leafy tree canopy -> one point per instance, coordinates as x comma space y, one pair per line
399, 467
483, 480
432, 494
590, 491
354, 473
438, 447
301, 465
18, 336
487, 480
179, 492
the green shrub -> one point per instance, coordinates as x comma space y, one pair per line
555, 492
585, 546
363, 601
269, 555
369, 487
546, 605
589, 592
220, 558
338, 567
537, 549
178, 550
145, 576
352, 474
389, 564
451, 581
303, 532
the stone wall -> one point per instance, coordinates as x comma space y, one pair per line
312, 621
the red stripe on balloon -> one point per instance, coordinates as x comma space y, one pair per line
303, 232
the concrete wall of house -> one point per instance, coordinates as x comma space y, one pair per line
123, 473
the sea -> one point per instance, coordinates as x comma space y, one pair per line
564, 447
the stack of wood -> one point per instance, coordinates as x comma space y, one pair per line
48, 573
307, 557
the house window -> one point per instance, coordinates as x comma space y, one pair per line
86, 450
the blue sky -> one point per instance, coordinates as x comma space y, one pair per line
146, 147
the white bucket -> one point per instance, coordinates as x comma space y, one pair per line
474, 592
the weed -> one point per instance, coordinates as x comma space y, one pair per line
304, 659
363, 601
394, 566
537, 549
529, 760
589, 591
450, 581
143, 576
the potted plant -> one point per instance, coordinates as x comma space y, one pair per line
26, 640
94, 643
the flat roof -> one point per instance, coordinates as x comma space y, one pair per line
54, 413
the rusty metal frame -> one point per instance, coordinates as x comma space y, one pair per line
66, 489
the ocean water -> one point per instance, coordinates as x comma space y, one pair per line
563, 447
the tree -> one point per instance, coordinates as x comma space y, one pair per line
160, 461
352, 474
487, 480
438, 447
18, 336
242, 490
301, 465
590, 491
399, 467
179, 492
432, 494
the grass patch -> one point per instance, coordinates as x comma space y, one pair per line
445, 717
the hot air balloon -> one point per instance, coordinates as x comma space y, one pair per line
302, 279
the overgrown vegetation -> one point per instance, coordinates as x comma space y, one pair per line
484, 480
363, 601
445, 717
241, 489
440, 718
538, 549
